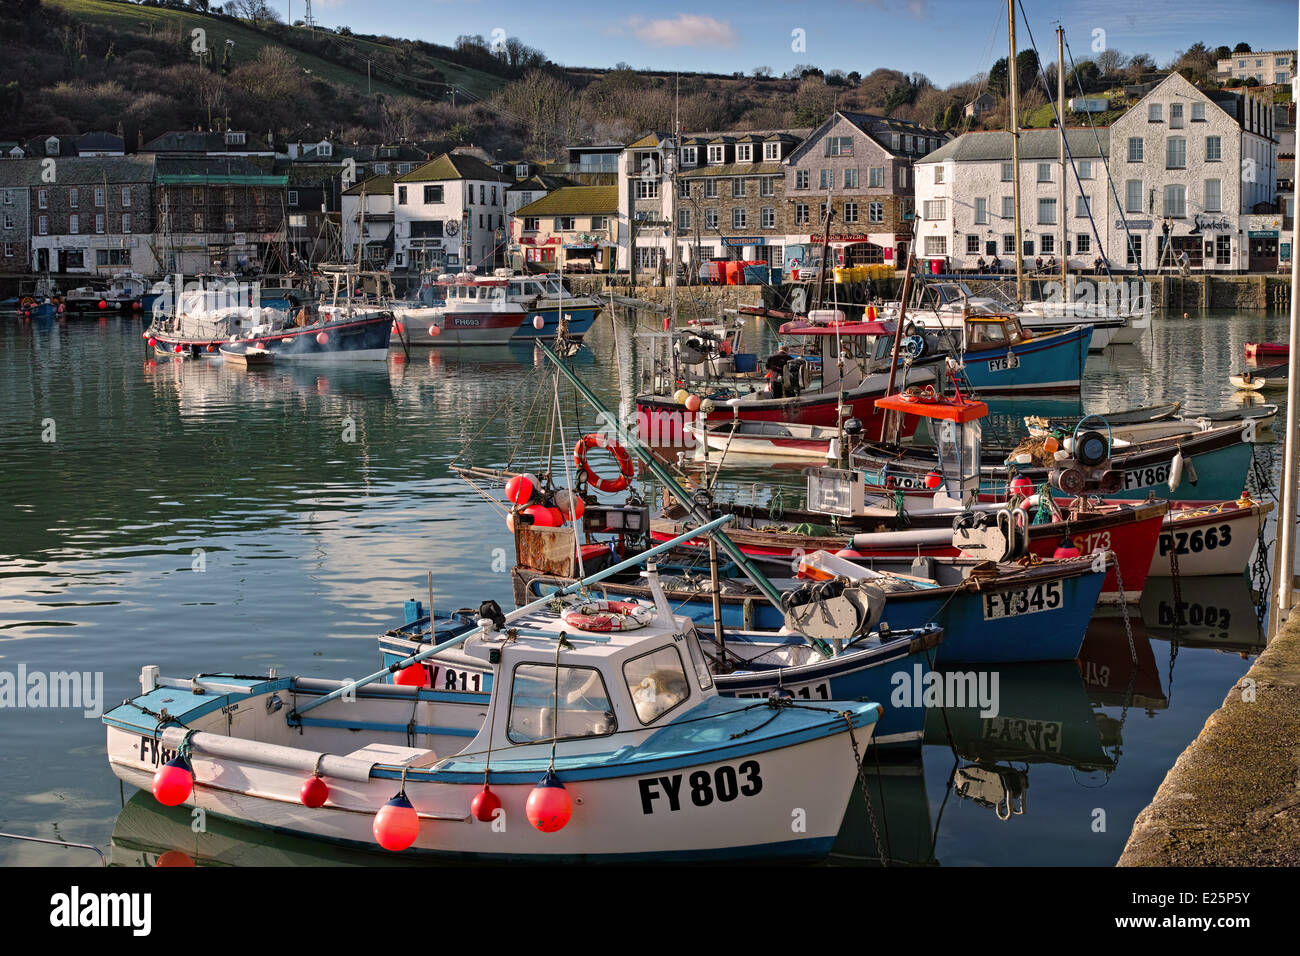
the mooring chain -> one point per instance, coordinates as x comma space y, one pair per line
862, 782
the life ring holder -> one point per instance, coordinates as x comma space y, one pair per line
606, 616
597, 440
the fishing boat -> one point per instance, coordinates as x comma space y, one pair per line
855, 363
246, 354
583, 744
1001, 357
123, 293
544, 297
765, 439
474, 311
1264, 377
1264, 351
1209, 540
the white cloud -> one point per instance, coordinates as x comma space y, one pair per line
687, 29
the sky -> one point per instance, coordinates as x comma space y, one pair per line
947, 40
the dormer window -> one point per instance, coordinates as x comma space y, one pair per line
521, 171
689, 156
717, 155
745, 153
381, 169
325, 149
234, 139
771, 152
52, 146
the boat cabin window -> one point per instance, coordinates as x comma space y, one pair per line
583, 704
986, 333
657, 682
701, 666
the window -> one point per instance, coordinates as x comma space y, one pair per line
1134, 257
1081, 206
938, 175
565, 223
1198, 112
875, 212
936, 245
1084, 166
876, 177
99, 223
826, 179
74, 224
649, 188
902, 177
1135, 149
1213, 196
744, 152
716, 155
1154, 113
850, 212
9, 250
772, 152
688, 155
1175, 115
1008, 207
1047, 212
9, 197
1176, 201
801, 179
1044, 172
112, 257
43, 226
584, 709
737, 188
839, 145
381, 169
710, 189
126, 222
1006, 172
684, 189
739, 219
851, 178
1133, 195
198, 222
1213, 149
433, 195
8, 220
1222, 250
935, 209
711, 219
768, 217
801, 213
972, 245
1083, 243
532, 223
494, 195
73, 197
597, 223
1175, 153
657, 683
767, 186
907, 144
1029, 248
1047, 243
482, 194
1009, 245
401, 195
683, 219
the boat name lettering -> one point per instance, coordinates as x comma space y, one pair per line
1194, 542
818, 691
1143, 477
726, 783
1004, 364
1195, 615
151, 752
1097, 541
453, 679
1041, 735
1027, 600
470, 323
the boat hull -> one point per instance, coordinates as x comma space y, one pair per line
349, 340
456, 329
1209, 542
581, 319
1052, 362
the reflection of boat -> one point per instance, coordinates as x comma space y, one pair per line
901, 811
1044, 716
1111, 676
148, 834
1217, 612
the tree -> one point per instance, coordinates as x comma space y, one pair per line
1083, 78
762, 72
998, 78
1222, 52
257, 12
1027, 69
1110, 61
1196, 62
1242, 48
1138, 64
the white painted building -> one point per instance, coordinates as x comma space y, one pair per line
449, 213
1273, 66
376, 196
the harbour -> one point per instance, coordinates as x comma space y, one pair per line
233, 510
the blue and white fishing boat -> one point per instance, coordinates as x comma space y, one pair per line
1001, 357
590, 747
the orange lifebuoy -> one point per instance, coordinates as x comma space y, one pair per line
604, 616
597, 440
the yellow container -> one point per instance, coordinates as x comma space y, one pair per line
841, 275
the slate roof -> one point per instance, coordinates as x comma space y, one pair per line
1035, 144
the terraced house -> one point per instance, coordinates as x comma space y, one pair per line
573, 229
864, 164
449, 213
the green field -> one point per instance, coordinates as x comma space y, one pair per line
249, 42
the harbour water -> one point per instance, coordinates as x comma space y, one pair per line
202, 517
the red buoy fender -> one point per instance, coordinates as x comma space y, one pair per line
597, 440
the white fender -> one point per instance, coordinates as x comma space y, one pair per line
1176, 472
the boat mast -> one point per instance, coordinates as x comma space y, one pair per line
671, 274
1060, 122
1013, 125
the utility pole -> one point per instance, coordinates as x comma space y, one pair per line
1014, 126
1060, 120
